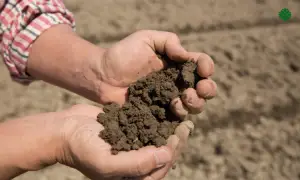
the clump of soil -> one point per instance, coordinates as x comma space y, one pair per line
146, 119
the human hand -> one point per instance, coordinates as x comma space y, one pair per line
103, 75
87, 152
135, 57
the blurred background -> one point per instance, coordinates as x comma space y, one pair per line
251, 131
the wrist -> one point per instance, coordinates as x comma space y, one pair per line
62, 58
29, 143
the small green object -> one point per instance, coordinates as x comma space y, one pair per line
285, 14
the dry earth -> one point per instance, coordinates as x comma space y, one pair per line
251, 130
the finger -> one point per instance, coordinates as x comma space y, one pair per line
178, 108
167, 43
192, 101
172, 143
140, 162
205, 64
206, 88
182, 132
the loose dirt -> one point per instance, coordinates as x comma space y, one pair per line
146, 118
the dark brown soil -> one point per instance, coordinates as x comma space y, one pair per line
146, 119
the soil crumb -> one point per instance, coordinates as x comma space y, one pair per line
146, 119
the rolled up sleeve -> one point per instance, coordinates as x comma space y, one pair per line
21, 23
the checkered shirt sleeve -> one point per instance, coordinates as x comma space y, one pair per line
21, 23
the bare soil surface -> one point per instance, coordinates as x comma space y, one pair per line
251, 130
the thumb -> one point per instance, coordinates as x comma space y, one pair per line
140, 162
168, 43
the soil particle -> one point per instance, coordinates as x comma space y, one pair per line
146, 119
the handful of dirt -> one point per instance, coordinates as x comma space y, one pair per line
146, 119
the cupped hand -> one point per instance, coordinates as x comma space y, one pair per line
86, 151
135, 57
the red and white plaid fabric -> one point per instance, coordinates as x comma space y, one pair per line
21, 22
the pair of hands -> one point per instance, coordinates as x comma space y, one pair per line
122, 64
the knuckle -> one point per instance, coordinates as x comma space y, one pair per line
144, 166
140, 169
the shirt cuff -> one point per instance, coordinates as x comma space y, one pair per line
19, 50
23, 30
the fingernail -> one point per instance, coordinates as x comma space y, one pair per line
211, 68
162, 157
212, 87
190, 125
207, 95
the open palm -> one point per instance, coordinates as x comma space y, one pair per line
88, 153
